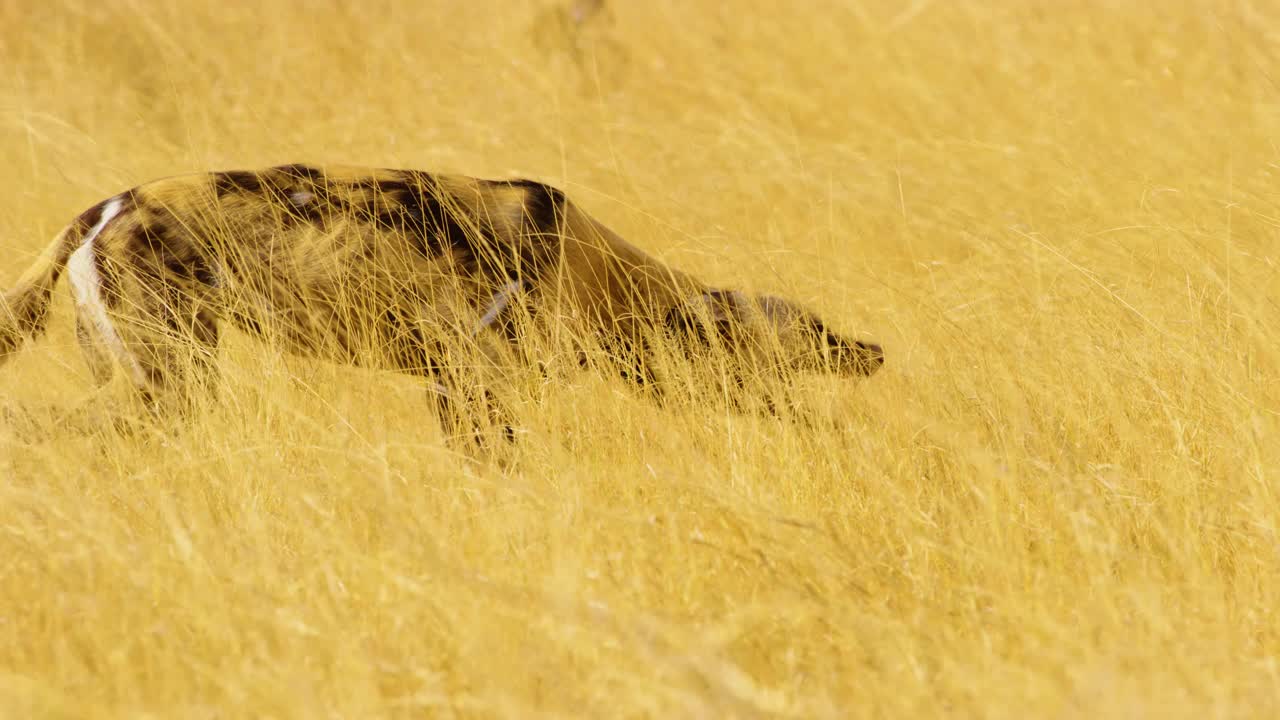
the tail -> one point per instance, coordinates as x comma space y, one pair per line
24, 309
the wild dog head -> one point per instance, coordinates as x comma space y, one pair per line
769, 332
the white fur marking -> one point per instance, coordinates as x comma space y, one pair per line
500, 301
87, 286
301, 197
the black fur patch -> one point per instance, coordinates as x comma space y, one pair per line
301, 172
413, 206
543, 206
302, 193
236, 181
163, 242
388, 187
315, 211
630, 357
85, 221
247, 322
542, 212
152, 240
205, 328
692, 324
683, 322
408, 350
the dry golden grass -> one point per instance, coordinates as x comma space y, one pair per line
1057, 500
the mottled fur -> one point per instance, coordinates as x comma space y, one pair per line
407, 270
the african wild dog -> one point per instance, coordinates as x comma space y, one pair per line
387, 268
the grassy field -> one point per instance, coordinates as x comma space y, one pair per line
1058, 499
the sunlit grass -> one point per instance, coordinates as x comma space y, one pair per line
1057, 499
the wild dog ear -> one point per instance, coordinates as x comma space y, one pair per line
714, 313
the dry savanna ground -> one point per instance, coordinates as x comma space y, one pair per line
1058, 499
